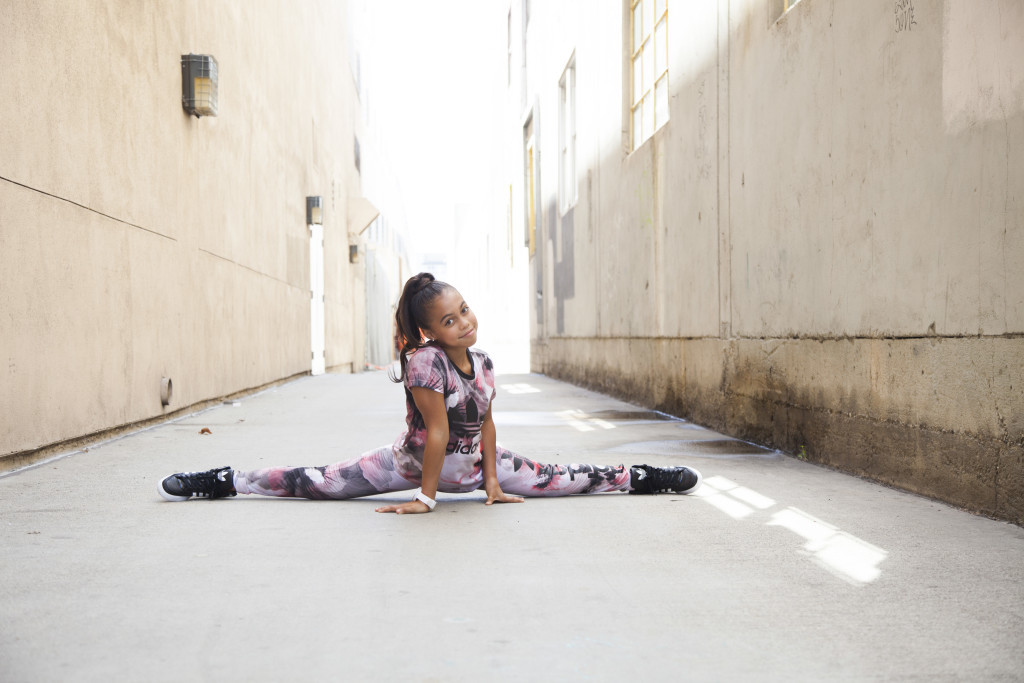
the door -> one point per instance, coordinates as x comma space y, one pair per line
316, 298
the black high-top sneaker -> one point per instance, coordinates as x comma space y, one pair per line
650, 479
209, 484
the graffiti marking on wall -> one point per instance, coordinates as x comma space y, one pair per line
904, 10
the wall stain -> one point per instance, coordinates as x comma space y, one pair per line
751, 400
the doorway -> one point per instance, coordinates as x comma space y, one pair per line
316, 298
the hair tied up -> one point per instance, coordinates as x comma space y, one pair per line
419, 291
421, 282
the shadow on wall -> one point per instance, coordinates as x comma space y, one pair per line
561, 234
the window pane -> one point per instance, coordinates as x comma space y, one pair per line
648, 114
570, 176
638, 25
565, 179
660, 49
571, 123
571, 103
661, 102
567, 125
648, 64
638, 126
566, 118
561, 128
638, 81
572, 89
659, 7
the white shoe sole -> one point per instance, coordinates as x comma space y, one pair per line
695, 486
169, 496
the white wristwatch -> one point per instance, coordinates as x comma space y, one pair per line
426, 500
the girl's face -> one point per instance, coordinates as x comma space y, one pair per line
451, 322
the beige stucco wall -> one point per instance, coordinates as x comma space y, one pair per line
821, 249
137, 242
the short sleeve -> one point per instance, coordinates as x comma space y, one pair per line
425, 369
488, 372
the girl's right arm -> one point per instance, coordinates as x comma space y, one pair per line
431, 405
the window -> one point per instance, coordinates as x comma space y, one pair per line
567, 137
649, 62
522, 39
509, 46
530, 184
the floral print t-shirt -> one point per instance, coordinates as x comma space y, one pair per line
467, 399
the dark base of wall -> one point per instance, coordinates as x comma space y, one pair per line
860, 406
21, 459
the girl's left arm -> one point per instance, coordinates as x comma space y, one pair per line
489, 463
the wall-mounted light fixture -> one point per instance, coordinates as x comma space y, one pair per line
314, 211
199, 84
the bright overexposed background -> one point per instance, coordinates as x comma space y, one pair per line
434, 94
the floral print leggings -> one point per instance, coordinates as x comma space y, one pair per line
374, 472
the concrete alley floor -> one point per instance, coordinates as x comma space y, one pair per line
778, 570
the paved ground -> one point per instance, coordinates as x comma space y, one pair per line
779, 571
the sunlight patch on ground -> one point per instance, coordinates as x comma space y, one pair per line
579, 420
843, 554
521, 388
729, 506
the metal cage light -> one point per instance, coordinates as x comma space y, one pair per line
199, 84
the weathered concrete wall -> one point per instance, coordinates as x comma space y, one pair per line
861, 204
137, 242
820, 250
907, 412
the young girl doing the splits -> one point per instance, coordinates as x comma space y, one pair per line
449, 443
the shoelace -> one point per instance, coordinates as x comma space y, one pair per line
199, 484
666, 480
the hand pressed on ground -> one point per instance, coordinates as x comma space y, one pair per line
496, 495
413, 507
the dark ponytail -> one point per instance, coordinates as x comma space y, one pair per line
417, 295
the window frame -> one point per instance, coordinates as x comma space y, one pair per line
648, 99
568, 181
